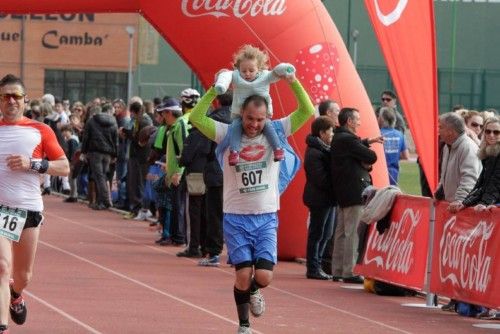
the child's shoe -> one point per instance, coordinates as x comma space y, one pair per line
223, 82
279, 154
234, 158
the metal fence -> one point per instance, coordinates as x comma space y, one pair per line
474, 89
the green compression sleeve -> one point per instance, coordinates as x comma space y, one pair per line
199, 117
305, 109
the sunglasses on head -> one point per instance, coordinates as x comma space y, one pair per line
489, 132
475, 125
386, 99
15, 96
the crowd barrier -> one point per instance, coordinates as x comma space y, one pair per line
430, 250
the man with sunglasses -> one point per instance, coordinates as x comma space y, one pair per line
389, 99
29, 148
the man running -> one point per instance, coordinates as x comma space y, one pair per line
251, 193
28, 148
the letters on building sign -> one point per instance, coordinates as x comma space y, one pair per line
53, 40
51, 17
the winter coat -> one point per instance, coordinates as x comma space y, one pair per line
212, 174
318, 187
195, 152
487, 188
351, 159
101, 135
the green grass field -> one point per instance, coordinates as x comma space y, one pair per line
409, 178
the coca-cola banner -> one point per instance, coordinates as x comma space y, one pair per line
465, 259
399, 255
405, 31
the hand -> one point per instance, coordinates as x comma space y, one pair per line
290, 77
379, 140
82, 157
18, 162
481, 208
176, 179
455, 206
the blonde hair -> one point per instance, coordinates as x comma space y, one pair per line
484, 151
250, 52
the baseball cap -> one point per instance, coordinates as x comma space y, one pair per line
169, 104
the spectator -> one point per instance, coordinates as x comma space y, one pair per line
389, 99
99, 144
318, 194
137, 167
212, 175
73, 145
474, 125
486, 192
331, 109
394, 143
460, 166
351, 160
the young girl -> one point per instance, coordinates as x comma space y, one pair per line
251, 77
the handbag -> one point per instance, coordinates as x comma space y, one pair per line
195, 184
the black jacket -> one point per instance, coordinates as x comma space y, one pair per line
212, 174
195, 152
138, 152
318, 188
487, 188
100, 135
351, 159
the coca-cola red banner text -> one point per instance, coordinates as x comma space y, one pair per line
405, 31
399, 256
465, 259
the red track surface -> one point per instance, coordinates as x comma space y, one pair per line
98, 273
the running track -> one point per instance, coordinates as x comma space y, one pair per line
98, 273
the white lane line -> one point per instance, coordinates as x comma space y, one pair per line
144, 285
61, 312
231, 273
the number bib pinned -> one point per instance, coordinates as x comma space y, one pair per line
252, 177
12, 222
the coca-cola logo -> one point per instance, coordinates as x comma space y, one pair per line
462, 255
236, 8
393, 250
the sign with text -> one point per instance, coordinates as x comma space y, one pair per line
399, 255
464, 261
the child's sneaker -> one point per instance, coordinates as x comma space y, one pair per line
234, 158
223, 81
18, 310
279, 154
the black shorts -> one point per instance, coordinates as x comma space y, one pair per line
33, 219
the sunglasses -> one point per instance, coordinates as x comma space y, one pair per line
15, 96
475, 125
386, 99
489, 132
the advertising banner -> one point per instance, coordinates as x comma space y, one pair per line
399, 255
466, 262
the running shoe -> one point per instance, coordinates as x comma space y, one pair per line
257, 303
213, 261
244, 330
18, 310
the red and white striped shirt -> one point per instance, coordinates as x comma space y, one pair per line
21, 189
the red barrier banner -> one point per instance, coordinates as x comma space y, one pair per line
399, 255
465, 262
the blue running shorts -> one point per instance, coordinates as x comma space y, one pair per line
251, 237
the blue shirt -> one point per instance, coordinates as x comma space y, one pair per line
394, 144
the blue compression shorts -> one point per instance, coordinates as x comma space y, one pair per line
251, 237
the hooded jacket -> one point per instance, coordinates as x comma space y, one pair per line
100, 135
318, 187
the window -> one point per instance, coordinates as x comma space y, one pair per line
85, 85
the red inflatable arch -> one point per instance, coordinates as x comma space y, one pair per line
206, 33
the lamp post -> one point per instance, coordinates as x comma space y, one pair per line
355, 35
130, 31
